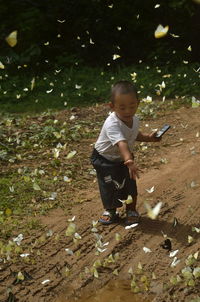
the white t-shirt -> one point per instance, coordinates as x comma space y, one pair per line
113, 131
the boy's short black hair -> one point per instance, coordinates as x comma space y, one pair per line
122, 87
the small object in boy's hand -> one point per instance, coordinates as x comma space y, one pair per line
167, 245
162, 130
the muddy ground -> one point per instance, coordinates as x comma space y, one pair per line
173, 168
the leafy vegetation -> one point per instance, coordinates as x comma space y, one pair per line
80, 86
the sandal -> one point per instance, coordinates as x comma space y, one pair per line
132, 217
108, 217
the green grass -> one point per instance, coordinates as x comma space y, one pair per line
82, 86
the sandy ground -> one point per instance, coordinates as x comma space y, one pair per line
177, 185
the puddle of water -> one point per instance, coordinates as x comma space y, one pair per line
118, 291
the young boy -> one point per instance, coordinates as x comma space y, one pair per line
113, 157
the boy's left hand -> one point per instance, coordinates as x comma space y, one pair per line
153, 137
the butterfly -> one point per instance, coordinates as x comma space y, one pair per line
11, 39
153, 212
161, 31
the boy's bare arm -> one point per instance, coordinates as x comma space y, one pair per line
124, 150
128, 159
141, 137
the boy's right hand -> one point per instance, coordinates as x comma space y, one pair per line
133, 170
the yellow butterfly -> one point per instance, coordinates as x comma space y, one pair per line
11, 39
161, 31
2, 66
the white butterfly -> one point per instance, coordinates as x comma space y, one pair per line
153, 212
151, 190
118, 185
131, 226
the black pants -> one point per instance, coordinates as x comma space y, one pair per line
114, 181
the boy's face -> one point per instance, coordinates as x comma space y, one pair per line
125, 106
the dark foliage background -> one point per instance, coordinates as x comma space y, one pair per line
98, 22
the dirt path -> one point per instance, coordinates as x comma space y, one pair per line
177, 185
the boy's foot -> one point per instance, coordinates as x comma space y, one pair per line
132, 217
108, 217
